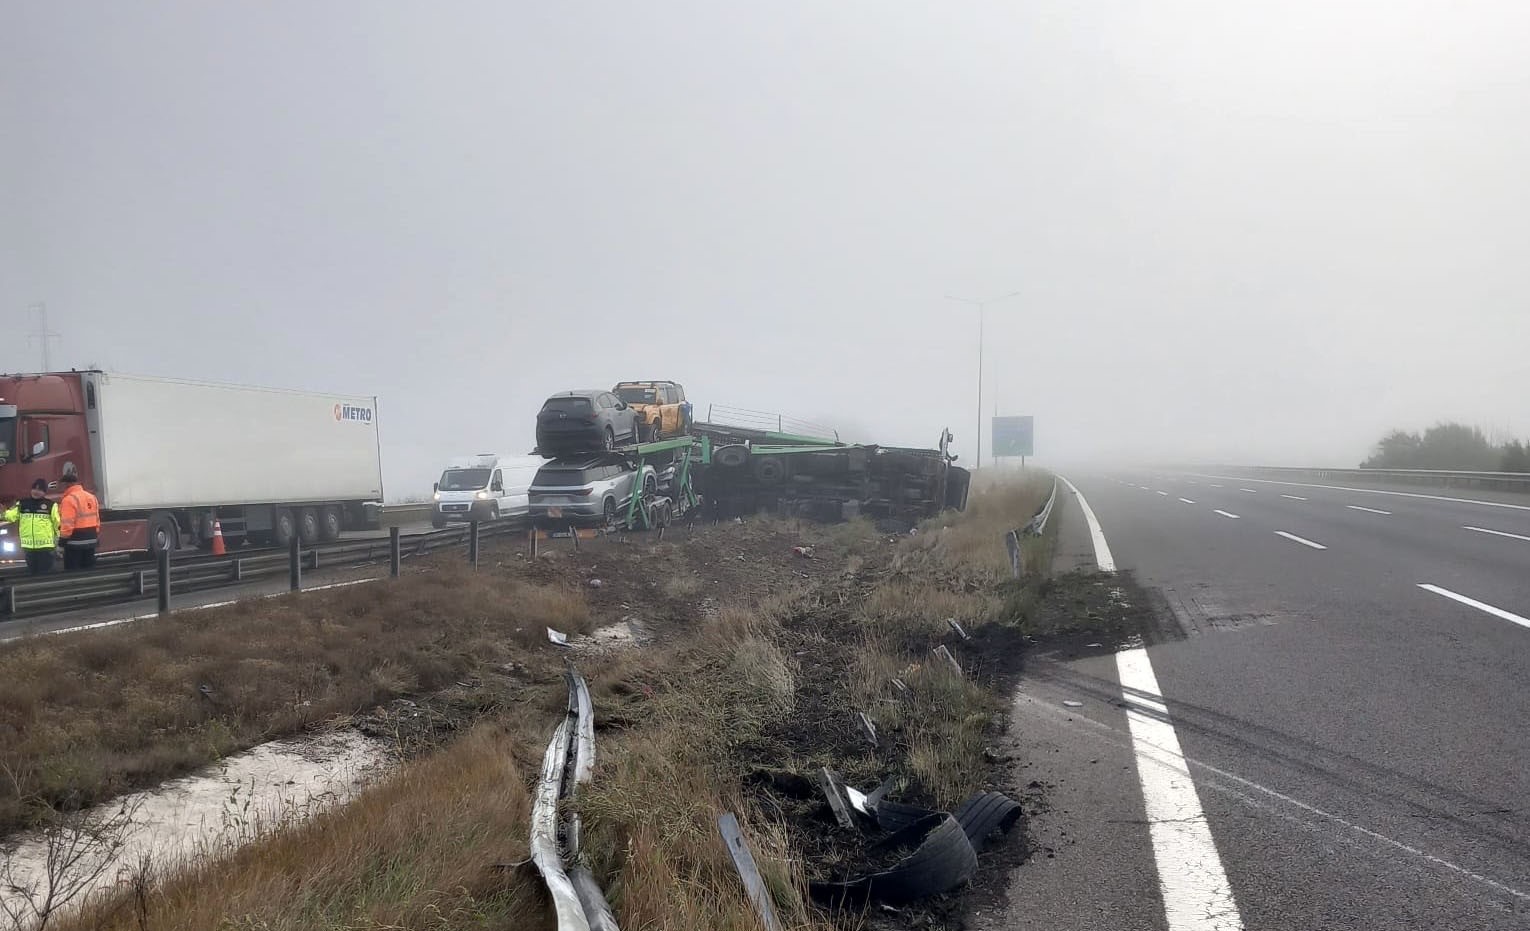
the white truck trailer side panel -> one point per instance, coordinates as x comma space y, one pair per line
168, 443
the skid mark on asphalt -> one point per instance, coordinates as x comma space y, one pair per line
1317, 820
1196, 894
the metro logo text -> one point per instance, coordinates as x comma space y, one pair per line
351, 412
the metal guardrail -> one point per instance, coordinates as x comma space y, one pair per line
1036, 526
393, 515
1490, 481
29, 597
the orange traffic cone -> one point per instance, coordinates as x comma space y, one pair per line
218, 548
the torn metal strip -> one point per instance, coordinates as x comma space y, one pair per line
545, 852
743, 861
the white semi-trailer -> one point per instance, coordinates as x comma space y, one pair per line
167, 457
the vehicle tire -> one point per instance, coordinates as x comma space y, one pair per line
163, 530
308, 525
769, 470
331, 522
608, 512
730, 457
610, 439
283, 526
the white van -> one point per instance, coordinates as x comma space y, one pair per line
484, 487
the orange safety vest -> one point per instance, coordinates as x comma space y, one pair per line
79, 516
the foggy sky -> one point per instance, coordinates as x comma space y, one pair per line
1247, 232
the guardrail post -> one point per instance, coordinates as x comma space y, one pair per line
140, 583
163, 557
574, 532
238, 569
10, 599
473, 543
294, 564
395, 555
532, 536
1012, 543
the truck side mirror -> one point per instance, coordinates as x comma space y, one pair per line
435, 486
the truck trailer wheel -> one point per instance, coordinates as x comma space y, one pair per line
330, 522
308, 525
164, 533
283, 527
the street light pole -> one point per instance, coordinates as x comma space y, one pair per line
981, 307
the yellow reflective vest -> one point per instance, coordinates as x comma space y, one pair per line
37, 520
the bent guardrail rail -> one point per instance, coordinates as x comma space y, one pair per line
568, 763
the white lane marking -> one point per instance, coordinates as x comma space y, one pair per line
1294, 497
1164, 493
1187, 500
1356, 507
1100, 729
1196, 894
1498, 533
1500, 613
1190, 481
1296, 539
1252, 491
1215, 485
1378, 491
1102, 557
1225, 514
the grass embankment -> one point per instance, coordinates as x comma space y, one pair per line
726, 712
87, 716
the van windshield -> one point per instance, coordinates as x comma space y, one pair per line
636, 395
464, 479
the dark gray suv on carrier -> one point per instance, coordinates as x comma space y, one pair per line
584, 421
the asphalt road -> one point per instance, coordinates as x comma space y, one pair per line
1357, 745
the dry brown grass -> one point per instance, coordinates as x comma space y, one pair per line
88, 716
430, 847
420, 851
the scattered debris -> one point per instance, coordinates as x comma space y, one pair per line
803, 552
835, 792
743, 861
867, 726
557, 637
1069, 703
596, 583
926, 852
945, 654
954, 625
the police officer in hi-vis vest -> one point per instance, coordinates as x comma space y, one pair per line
36, 519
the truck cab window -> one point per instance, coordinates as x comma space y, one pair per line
35, 440
8, 436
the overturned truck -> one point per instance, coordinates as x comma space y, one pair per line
748, 470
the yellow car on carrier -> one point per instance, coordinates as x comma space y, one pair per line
660, 405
